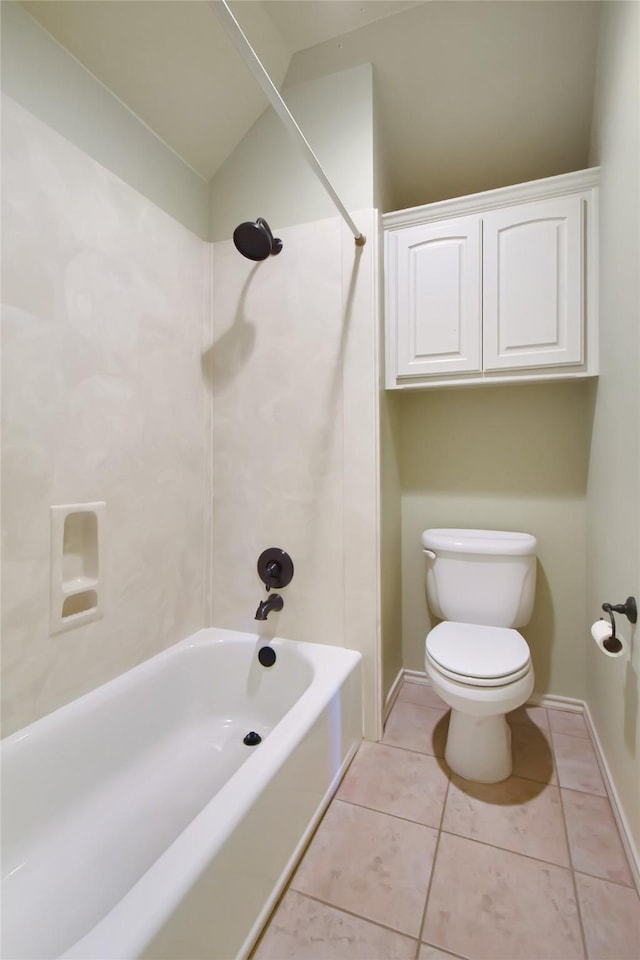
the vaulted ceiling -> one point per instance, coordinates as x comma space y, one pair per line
471, 95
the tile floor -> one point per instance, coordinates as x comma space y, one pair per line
412, 863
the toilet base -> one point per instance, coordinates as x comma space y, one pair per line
479, 740
479, 748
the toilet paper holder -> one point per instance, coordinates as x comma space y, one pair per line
630, 610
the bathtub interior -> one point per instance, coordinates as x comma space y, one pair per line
103, 786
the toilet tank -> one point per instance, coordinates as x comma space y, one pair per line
481, 576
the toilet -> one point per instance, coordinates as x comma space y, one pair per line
481, 584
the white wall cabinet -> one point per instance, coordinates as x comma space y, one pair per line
439, 275
496, 287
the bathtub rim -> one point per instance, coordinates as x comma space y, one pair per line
130, 676
145, 906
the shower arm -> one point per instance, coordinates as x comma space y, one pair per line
251, 58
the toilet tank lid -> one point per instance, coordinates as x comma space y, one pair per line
496, 542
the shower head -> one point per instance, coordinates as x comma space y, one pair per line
255, 240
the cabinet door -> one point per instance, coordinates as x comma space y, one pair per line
437, 298
533, 284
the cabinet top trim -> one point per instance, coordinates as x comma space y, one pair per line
478, 202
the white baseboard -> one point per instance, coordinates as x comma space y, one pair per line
568, 704
417, 676
571, 706
392, 696
623, 826
536, 699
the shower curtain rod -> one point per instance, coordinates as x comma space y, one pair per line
251, 58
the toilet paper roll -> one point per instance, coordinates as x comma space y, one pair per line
601, 631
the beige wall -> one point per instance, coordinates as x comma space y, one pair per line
613, 518
39, 74
104, 300
292, 373
512, 458
473, 95
267, 175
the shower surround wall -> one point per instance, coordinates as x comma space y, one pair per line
114, 356
104, 306
292, 370
113, 362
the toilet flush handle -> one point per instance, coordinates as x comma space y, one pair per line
429, 553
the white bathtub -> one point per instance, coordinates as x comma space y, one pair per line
136, 823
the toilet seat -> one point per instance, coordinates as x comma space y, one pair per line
478, 655
465, 679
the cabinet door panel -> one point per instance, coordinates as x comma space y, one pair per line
438, 298
532, 279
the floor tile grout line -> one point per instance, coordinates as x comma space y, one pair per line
385, 743
423, 706
582, 793
574, 736
590, 793
519, 776
386, 813
596, 876
395, 746
588, 740
421, 703
464, 836
487, 843
529, 780
447, 953
516, 853
585, 793
554, 765
578, 736
573, 878
357, 916
495, 845
518, 723
433, 867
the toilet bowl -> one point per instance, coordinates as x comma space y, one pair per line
482, 583
482, 673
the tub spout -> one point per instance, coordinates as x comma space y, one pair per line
273, 602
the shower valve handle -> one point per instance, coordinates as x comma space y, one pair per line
273, 572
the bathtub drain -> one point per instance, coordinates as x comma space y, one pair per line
252, 739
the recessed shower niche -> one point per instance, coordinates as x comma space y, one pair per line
77, 567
